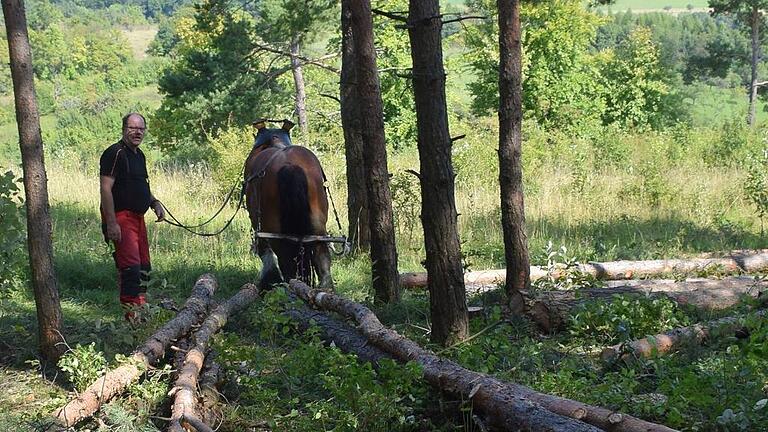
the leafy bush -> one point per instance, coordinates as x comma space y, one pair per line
230, 149
83, 364
625, 318
12, 227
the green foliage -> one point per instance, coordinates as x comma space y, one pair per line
735, 142
638, 93
756, 184
230, 148
563, 272
298, 384
624, 318
12, 229
561, 87
83, 364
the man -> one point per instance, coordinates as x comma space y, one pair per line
125, 197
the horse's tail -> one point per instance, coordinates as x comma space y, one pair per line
295, 217
294, 200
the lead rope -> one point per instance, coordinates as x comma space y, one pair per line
347, 245
175, 222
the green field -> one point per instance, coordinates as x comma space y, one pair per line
640, 5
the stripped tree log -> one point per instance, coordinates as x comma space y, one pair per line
210, 380
339, 333
734, 262
184, 390
507, 406
674, 339
118, 379
550, 309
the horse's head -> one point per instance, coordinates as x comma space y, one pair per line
271, 137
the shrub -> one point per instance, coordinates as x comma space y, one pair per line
625, 318
12, 227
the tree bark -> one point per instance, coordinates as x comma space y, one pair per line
185, 388
210, 380
509, 406
510, 153
550, 309
117, 380
298, 82
447, 299
357, 195
735, 262
754, 22
386, 282
674, 339
39, 231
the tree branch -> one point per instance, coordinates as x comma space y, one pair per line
317, 62
391, 15
462, 18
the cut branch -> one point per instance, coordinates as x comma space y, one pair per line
508, 406
117, 380
184, 405
674, 339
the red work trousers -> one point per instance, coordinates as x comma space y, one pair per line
132, 258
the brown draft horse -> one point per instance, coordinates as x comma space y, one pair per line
285, 195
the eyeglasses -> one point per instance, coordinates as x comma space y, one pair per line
136, 129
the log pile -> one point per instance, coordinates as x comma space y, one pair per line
506, 406
118, 379
184, 391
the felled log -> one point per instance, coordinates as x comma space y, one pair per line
210, 378
339, 333
674, 339
736, 261
550, 309
507, 406
184, 390
118, 379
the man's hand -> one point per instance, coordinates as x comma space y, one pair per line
114, 233
157, 207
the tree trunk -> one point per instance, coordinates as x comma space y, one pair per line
550, 309
676, 338
386, 283
185, 387
39, 238
357, 195
117, 380
754, 22
735, 262
510, 150
509, 406
298, 82
447, 299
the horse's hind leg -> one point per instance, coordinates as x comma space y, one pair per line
321, 260
270, 270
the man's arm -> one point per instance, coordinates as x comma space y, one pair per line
157, 207
108, 208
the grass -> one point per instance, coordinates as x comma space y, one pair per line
139, 39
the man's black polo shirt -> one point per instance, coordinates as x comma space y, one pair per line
129, 169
